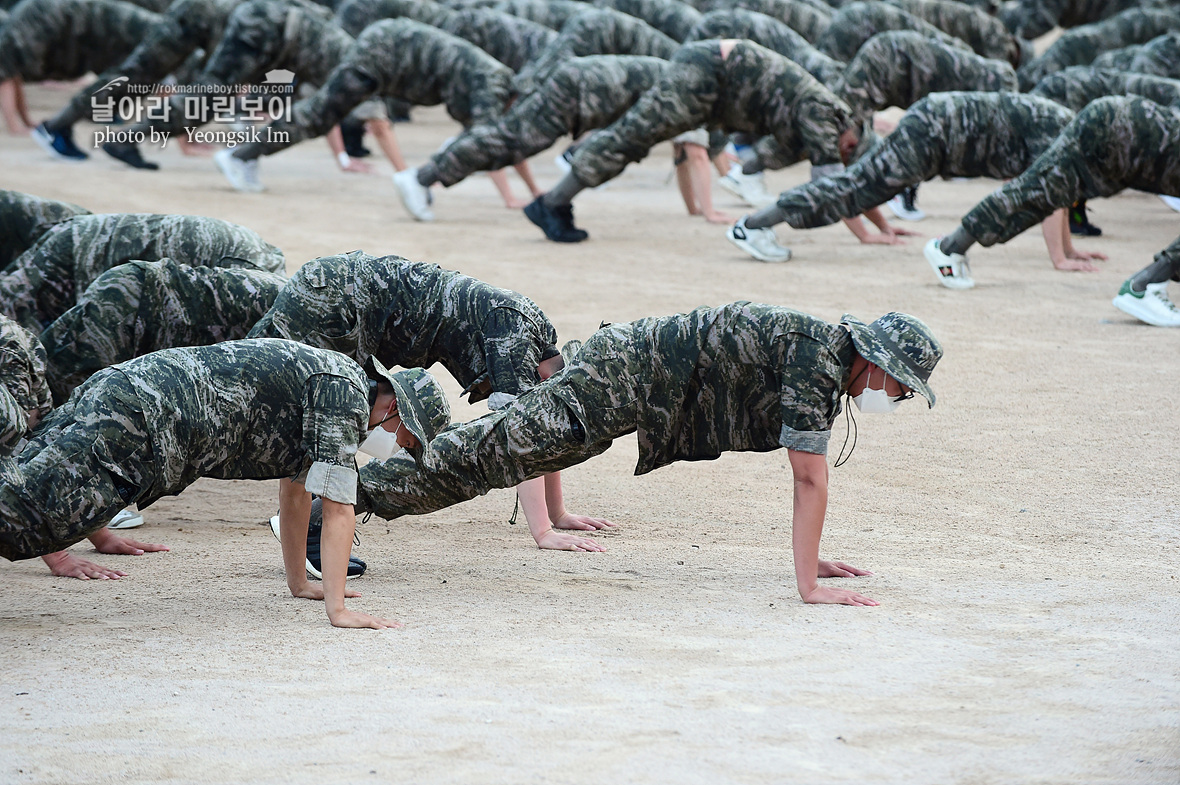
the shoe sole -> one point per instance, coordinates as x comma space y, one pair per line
1131, 307
244, 188
47, 146
307, 565
949, 281
133, 522
756, 254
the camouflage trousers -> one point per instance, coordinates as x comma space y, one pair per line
804, 18
85, 462
771, 33
1113, 144
853, 25
1158, 57
1078, 86
531, 126
558, 424
595, 32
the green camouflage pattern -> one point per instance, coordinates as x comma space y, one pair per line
753, 90
22, 383
142, 307
152, 426
986, 35
511, 40
402, 59
804, 18
44, 282
264, 35
550, 13
185, 28
901, 345
898, 68
1158, 57
355, 15
413, 314
996, 135
583, 94
671, 17
1031, 19
739, 377
855, 23
66, 39
24, 218
1077, 86
1082, 45
595, 31
771, 33
1114, 143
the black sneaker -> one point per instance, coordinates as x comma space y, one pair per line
129, 154
58, 144
556, 223
1079, 222
353, 134
356, 567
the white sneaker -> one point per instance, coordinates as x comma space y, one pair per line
1151, 305
415, 197
563, 161
127, 519
750, 188
905, 208
1171, 201
759, 243
952, 269
242, 175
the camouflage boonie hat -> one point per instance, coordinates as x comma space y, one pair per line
421, 403
901, 345
570, 349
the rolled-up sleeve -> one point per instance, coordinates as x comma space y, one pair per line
810, 395
335, 415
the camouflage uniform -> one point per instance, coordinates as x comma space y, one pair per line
24, 218
22, 383
596, 31
753, 90
771, 33
413, 314
1158, 57
805, 19
986, 35
143, 307
740, 377
66, 39
262, 35
186, 27
402, 59
856, 23
1081, 45
44, 282
550, 13
1033, 18
583, 94
671, 17
355, 15
995, 135
1113, 144
898, 68
152, 426
1075, 87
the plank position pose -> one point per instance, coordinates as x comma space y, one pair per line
739, 377
262, 409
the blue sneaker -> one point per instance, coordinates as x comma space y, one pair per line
59, 145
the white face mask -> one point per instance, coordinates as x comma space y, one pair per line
381, 444
876, 401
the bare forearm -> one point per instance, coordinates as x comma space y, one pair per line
294, 511
807, 526
531, 494
335, 548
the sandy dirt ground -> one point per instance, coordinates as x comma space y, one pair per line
1023, 533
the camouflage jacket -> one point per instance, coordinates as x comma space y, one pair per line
427, 66
985, 34
1033, 18
142, 307
898, 68
1082, 45
262, 35
248, 410
1078, 86
855, 23
413, 314
187, 26
66, 39
771, 33
22, 383
511, 40
355, 15
24, 218
550, 13
671, 17
803, 18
